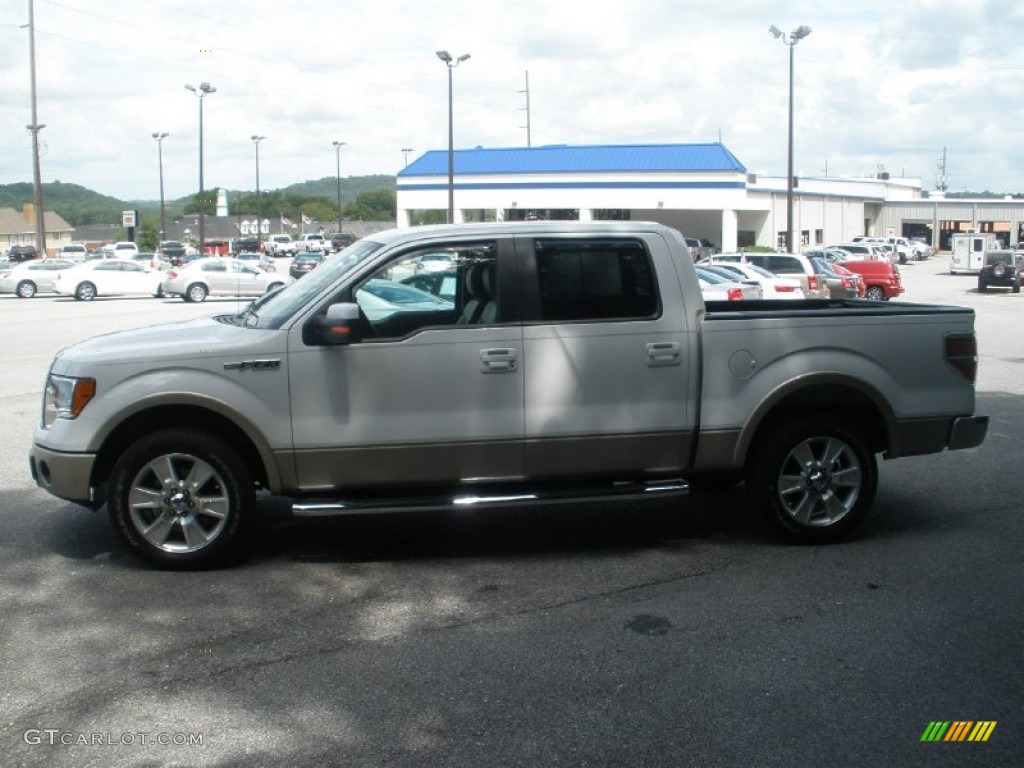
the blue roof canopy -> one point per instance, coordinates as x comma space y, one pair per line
626, 158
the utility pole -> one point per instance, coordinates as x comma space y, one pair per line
527, 92
37, 181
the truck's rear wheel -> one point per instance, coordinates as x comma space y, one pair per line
814, 479
182, 500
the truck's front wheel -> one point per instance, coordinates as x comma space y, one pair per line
814, 478
182, 500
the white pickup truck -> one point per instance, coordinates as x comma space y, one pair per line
549, 361
280, 245
313, 241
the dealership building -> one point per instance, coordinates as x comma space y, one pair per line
702, 190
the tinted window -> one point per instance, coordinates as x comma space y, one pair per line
785, 265
595, 280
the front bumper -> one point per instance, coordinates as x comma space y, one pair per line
65, 475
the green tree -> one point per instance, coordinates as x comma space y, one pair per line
373, 205
148, 235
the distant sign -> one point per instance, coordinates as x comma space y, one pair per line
128, 218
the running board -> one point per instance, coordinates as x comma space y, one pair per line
373, 505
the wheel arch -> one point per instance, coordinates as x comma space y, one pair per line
184, 416
841, 397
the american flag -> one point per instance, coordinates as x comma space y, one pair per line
286, 222
306, 219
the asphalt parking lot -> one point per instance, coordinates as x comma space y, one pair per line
650, 634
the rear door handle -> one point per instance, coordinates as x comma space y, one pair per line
664, 353
499, 359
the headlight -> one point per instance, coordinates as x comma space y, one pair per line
66, 397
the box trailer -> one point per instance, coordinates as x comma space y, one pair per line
969, 251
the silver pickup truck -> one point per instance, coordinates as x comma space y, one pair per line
499, 364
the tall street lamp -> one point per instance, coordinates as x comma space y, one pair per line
337, 158
790, 40
201, 92
256, 140
405, 154
451, 64
163, 211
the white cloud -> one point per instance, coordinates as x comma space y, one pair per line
877, 84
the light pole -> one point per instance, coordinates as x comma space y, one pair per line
337, 158
256, 140
201, 92
163, 212
451, 64
405, 154
790, 40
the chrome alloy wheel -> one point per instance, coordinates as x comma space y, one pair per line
820, 481
178, 503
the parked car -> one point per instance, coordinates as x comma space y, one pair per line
246, 245
27, 279
264, 261
773, 286
151, 259
713, 288
619, 384
73, 252
280, 245
840, 286
881, 279
313, 241
1003, 268
784, 265
752, 289
304, 263
172, 251
216, 248
108, 277
217, 276
443, 283
340, 240
379, 299
124, 250
21, 252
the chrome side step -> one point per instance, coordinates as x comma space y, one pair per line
510, 497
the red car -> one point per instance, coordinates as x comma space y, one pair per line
216, 248
881, 278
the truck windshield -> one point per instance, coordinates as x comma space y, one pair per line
274, 309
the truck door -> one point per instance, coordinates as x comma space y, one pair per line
433, 393
608, 358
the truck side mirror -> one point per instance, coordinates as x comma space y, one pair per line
338, 326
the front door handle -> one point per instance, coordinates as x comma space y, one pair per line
499, 359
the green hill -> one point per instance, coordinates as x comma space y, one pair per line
80, 206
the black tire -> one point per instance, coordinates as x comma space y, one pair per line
85, 291
196, 292
26, 289
182, 500
999, 270
982, 285
813, 479
875, 293
1015, 288
274, 286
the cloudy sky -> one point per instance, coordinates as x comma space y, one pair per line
879, 85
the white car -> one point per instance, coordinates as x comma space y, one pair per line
748, 289
773, 286
73, 251
27, 279
219, 276
108, 277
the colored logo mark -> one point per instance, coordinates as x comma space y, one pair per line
958, 730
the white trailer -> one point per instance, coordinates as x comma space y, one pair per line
969, 251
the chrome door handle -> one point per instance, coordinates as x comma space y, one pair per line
499, 359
